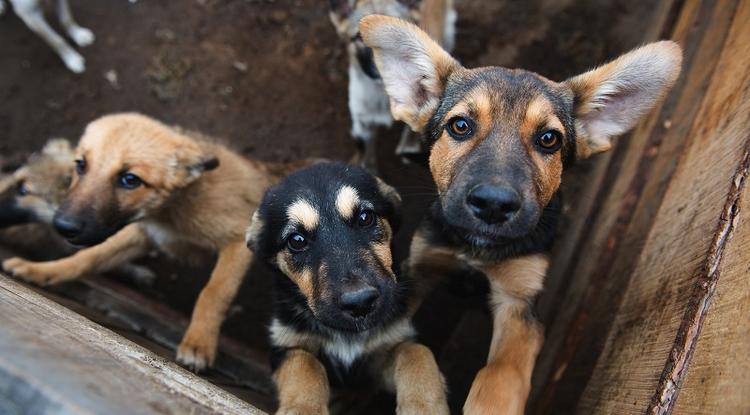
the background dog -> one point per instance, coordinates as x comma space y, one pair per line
32, 13
138, 184
339, 311
368, 103
499, 140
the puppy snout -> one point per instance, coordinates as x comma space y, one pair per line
69, 228
493, 204
359, 301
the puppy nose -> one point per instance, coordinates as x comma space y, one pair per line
68, 228
493, 204
358, 302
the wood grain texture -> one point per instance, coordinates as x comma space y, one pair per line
56, 360
657, 309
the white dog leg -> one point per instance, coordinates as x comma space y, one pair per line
30, 12
80, 35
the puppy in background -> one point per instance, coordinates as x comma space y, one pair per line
138, 185
32, 13
368, 102
339, 311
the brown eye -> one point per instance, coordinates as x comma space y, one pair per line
296, 242
459, 128
366, 219
549, 141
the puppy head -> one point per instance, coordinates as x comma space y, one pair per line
499, 138
328, 228
345, 16
34, 191
127, 166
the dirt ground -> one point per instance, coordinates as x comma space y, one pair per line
269, 76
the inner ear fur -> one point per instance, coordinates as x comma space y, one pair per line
610, 100
414, 67
190, 163
252, 234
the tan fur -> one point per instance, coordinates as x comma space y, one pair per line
415, 378
302, 385
382, 249
303, 213
46, 176
347, 200
181, 204
303, 278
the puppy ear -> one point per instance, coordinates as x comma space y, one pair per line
252, 234
612, 98
414, 67
58, 147
341, 8
190, 163
394, 198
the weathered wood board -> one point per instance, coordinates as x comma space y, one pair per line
54, 361
639, 298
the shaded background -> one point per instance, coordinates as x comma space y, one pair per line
269, 77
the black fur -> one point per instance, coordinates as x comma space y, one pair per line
342, 247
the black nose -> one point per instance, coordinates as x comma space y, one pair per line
493, 204
358, 302
68, 228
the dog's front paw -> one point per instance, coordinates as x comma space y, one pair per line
496, 391
74, 62
82, 36
35, 272
197, 350
418, 407
303, 410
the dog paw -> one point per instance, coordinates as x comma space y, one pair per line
197, 352
33, 272
82, 36
74, 62
303, 410
417, 407
496, 391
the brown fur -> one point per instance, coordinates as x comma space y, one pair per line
416, 379
179, 204
428, 88
302, 384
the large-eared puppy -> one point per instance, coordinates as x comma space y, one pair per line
339, 310
138, 185
499, 140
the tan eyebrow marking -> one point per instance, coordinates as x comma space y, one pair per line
347, 200
303, 213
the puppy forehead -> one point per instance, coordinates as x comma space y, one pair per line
347, 200
303, 212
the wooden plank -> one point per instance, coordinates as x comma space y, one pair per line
638, 175
718, 377
52, 359
659, 299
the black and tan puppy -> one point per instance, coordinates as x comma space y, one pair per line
339, 310
141, 185
499, 140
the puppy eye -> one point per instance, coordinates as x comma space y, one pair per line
296, 242
366, 219
130, 181
22, 189
459, 128
81, 167
549, 141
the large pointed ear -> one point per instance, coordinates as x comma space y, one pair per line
414, 67
191, 162
610, 99
58, 147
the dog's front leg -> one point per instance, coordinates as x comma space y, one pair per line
198, 347
79, 34
502, 386
129, 243
302, 385
30, 11
412, 373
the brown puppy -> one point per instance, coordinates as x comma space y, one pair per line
35, 190
140, 184
499, 140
